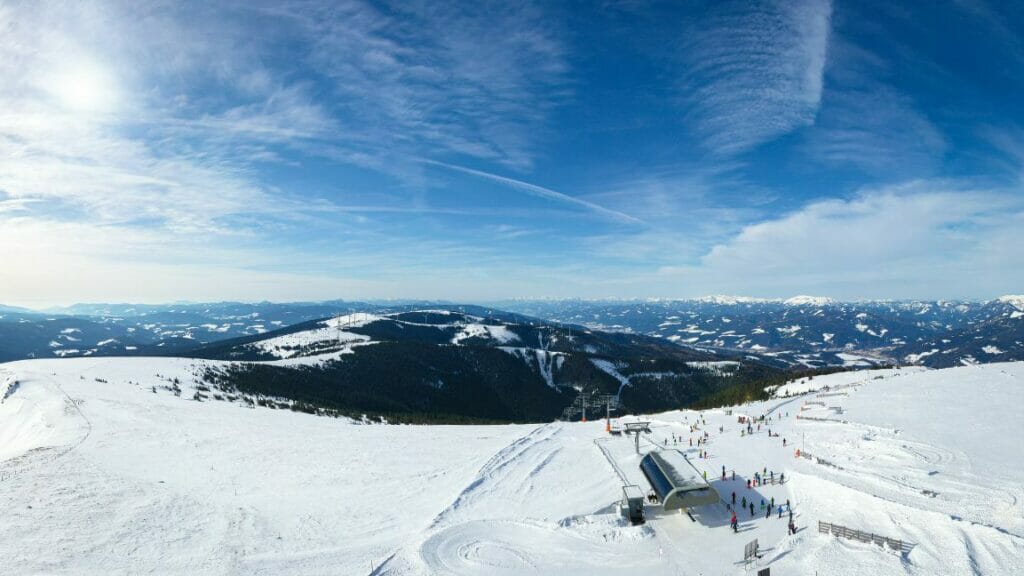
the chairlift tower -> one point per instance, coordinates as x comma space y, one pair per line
580, 403
610, 401
637, 428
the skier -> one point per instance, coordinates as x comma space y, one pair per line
762, 503
783, 442
751, 509
734, 498
780, 511
744, 503
734, 522
782, 477
733, 475
768, 513
792, 527
773, 476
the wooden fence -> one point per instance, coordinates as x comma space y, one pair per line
816, 460
900, 546
827, 394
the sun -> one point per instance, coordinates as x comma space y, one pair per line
84, 87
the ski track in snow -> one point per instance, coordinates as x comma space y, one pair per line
105, 477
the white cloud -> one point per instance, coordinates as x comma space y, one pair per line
922, 239
754, 71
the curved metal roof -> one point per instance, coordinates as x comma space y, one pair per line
676, 481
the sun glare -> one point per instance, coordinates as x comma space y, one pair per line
85, 87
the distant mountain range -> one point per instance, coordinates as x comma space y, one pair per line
804, 331
812, 331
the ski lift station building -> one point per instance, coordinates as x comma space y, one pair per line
676, 481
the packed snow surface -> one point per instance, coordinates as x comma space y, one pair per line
102, 475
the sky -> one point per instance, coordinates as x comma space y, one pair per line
301, 150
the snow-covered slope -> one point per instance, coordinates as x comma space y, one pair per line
104, 470
814, 331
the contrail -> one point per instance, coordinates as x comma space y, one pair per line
539, 191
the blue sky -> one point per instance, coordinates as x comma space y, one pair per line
159, 151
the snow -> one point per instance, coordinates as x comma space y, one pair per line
840, 380
609, 368
854, 359
547, 362
720, 367
729, 300
290, 345
808, 301
1015, 300
102, 476
915, 358
991, 349
500, 334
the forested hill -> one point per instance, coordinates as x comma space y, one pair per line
445, 365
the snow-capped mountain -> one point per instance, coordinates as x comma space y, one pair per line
803, 331
130, 329
456, 364
806, 330
997, 335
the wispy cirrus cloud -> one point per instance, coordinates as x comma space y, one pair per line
434, 77
754, 71
868, 124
